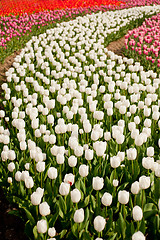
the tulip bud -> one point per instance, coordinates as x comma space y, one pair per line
123, 197
72, 161
135, 187
36, 198
60, 158
29, 182
106, 199
44, 209
131, 153
137, 213
99, 223
83, 170
115, 161
18, 176
52, 232
52, 173
88, 154
69, 178
11, 166
115, 182
40, 166
64, 189
138, 236
144, 182
75, 195
42, 226
79, 215
150, 151
40, 191
97, 183
9, 179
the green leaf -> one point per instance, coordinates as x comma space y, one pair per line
86, 201
49, 187
29, 216
77, 184
122, 225
22, 188
35, 233
54, 217
86, 236
28, 229
74, 230
157, 189
62, 233
62, 204
113, 237
93, 201
83, 187
142, 226
46, 171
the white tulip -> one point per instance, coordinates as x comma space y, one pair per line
18, 176
144, 182
150, 151
97, 183
123, 197
29, 182
52, 232
99, 223
131, 153
83, 170
42, 226
69, 178
60, 158
115, 182
79, 215
135, 187
72, 161
89, 154
106, 199
138, 236
36, 198
44, 209
52, 173
11, 167
115, 161
40, 166
75, 195
137, 213
64, 189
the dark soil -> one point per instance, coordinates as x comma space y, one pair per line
11, 227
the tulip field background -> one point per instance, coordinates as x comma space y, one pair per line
80, 125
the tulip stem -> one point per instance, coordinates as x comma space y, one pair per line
132, 168
135, 198
138, 223
41, 179
123, 210
106, 211
65, 199
97, 198
37, 211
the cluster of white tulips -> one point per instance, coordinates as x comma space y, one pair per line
80, 133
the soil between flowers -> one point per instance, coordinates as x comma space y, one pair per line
12, 227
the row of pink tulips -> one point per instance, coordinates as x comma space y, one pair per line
144, 41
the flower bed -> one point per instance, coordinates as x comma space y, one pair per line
143, 43
80, 133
